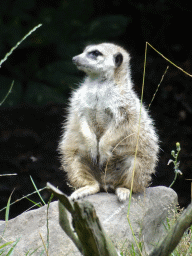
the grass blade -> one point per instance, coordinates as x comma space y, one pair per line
12, 248
169, 60
8, 208
12, 49
5, 244
7, 93
37, 190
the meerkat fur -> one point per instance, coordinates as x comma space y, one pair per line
99, 141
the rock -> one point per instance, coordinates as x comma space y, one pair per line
148, 212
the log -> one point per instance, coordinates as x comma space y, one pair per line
90, 237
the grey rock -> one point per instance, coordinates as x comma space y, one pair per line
147, 215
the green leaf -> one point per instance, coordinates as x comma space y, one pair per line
5, 244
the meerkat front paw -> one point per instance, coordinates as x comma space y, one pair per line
85, 191
122, 194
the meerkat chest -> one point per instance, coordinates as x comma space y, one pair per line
99, 112
99, 107
99, 119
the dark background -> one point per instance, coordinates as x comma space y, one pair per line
32, 116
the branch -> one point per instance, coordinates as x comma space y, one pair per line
90, 238
175, 234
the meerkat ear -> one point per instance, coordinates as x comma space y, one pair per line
118, 59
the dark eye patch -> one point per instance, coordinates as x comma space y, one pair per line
95, 53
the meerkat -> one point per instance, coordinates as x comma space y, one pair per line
98, 145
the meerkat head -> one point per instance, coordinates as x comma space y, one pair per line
102, 60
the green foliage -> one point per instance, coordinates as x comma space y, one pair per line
5, 245
8, 247
41, 66
175, 162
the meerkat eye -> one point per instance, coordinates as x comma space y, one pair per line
95, 54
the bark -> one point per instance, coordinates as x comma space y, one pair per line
90, 238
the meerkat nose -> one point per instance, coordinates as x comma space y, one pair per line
75, 59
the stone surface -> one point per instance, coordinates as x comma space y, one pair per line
148, 213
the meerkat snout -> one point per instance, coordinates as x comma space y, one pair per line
75, 60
